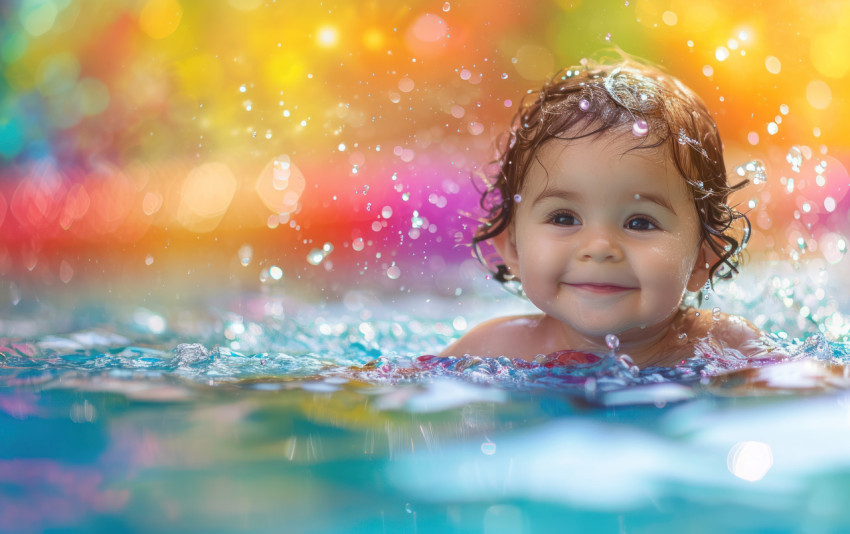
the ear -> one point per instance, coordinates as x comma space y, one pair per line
505, 244
699, 274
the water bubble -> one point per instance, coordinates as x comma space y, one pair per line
315, 256
829, 204
268, 134
416, 221
584, 104
613, 342
607, 36
783, 108
405, 196
447, 7
795, 158
640, 128
772, 128
148, 260
753, 138
408, 508
245, 253
715, 314
753, 171
358, 244
721, 53
488, 448
247, 105
683, 337
772, 64
504, 75
242, 88
393, 272
517, 198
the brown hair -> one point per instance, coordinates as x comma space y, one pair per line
594, 98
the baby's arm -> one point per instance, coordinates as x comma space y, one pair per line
738, 333
503, 336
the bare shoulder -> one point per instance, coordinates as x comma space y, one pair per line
733, 330
502, 336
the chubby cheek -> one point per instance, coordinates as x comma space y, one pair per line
669, 274
541, 266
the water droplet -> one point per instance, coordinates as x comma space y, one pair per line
613, 342
753, 171
517, 198
245, 253
715, 314
829, 204
640, 128
315, 256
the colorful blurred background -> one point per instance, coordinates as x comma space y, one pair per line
174, 145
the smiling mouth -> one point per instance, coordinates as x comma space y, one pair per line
602, 288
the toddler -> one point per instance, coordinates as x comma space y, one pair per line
609, 203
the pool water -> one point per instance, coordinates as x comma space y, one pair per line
259, 413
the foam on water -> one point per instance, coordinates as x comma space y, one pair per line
306, 349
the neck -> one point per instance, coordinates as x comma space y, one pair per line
645, 346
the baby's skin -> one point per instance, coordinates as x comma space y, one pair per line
606, 240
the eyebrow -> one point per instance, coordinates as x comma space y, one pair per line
552, 192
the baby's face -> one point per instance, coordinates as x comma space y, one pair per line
603, 239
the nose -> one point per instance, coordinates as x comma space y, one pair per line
599, 245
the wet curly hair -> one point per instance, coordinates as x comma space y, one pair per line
595, 98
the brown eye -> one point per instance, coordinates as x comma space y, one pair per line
641, 224
564, 218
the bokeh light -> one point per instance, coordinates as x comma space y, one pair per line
183, 132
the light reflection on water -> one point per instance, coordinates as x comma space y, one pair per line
323, 418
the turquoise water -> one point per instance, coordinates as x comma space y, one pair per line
264, 413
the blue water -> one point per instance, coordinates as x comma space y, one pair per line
264, 413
